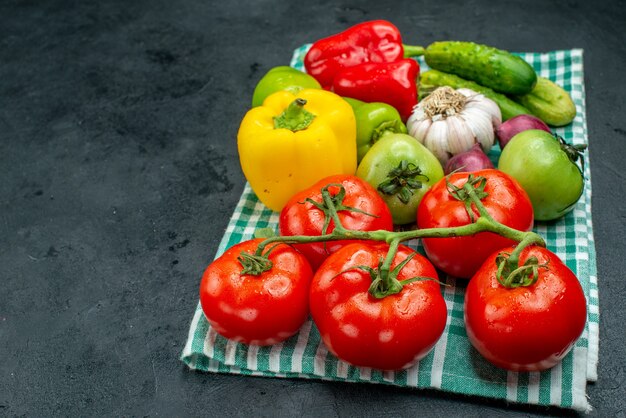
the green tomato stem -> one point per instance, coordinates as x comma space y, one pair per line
332, 210
529, 238
385, 268
484, 223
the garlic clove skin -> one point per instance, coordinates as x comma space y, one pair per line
488, 106
480, 124
419, 128
460, 136
484, 103
436, 140
467, 92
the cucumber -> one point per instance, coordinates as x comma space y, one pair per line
549, 102
431, 79
490, 67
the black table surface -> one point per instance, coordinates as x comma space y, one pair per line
119, 171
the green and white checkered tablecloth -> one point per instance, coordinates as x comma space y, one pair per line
453, 365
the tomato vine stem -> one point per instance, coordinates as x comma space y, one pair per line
483, 223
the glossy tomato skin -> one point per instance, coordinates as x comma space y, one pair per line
299, 217
525, 328
461, 257
259, 310
389, 333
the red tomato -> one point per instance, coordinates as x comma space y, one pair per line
506, 202
389, 333
525, 328
299, 217
257, 309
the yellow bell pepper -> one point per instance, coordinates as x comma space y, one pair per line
291, 142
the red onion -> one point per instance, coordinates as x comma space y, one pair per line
471, 160
517, 124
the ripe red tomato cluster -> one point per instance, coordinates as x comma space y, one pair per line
522, 328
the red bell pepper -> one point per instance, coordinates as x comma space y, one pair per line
374, 41
394, 83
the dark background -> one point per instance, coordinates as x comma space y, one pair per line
119, 171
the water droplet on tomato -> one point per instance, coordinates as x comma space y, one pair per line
350, 330
248, 314
278, 286
385, 335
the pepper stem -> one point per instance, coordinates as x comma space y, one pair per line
388, 126
413, 51
295, 117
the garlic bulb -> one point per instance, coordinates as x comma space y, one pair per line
449, 122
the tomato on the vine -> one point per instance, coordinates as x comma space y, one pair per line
388, 333
361, 209
503, 198
525, 328
260, 309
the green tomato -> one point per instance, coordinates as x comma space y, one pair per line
402, 170
282, 78
545, 166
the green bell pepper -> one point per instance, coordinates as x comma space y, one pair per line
373, 120
282, 78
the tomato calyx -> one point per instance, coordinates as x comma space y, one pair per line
256, 264
402, 181
573, 152
511, 275
472, 189
382, 284
331, 204
384, 281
